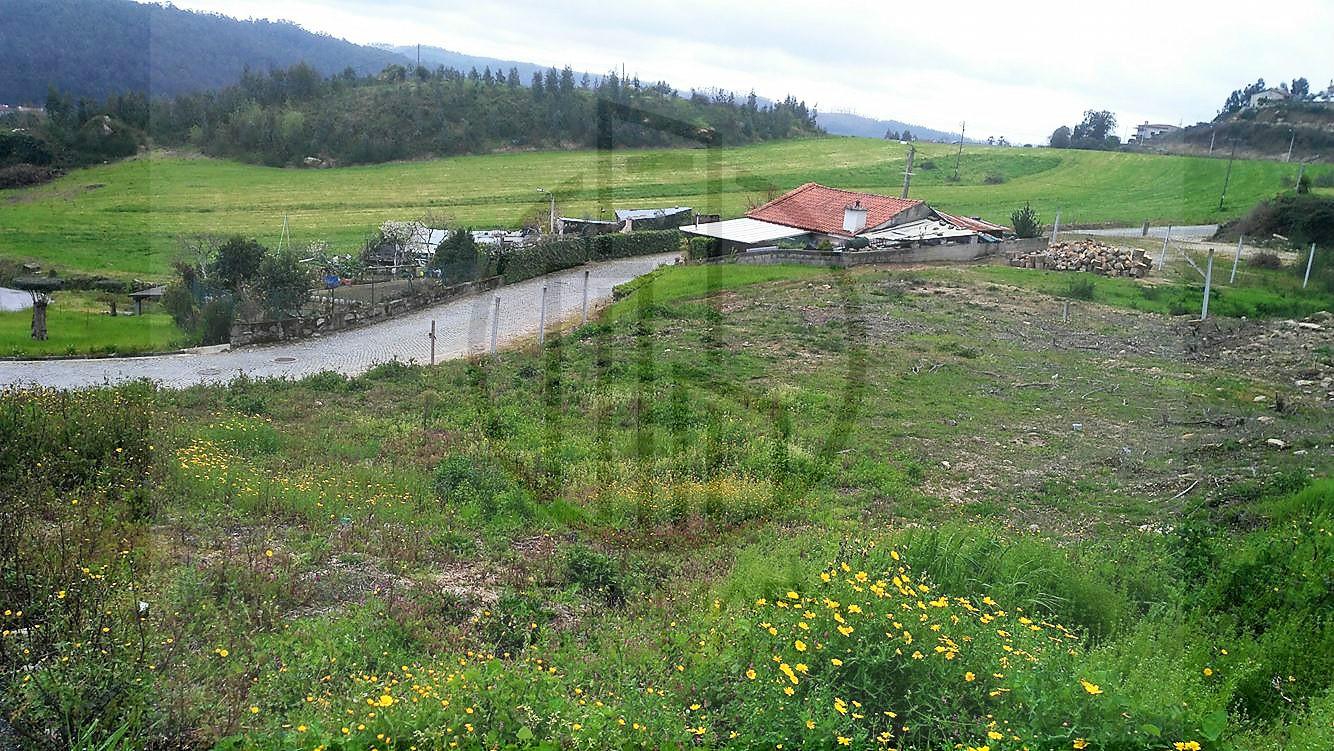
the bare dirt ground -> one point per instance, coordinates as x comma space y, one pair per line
1114, 416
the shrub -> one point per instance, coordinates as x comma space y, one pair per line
215, 321
596, 573
993, 178
519, 262
514, 622
483, 485
1265, 260
1026, 222
1080, 288
284, 284
23, 175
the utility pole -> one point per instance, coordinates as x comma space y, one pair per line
963, 128
419, 56
907, 173
432, 337
1291, 141
1212, 135
1055, 229
1228, 178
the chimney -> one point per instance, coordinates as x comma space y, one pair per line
854, 218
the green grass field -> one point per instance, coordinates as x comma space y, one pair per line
78, 324
126, 219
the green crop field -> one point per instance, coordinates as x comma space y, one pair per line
126, 219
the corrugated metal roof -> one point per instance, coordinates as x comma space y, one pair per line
498, 236
979, 225
743, 230
818, 208
624, 214
922, 229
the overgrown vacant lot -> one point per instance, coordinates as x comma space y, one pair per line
910, 510
127, 219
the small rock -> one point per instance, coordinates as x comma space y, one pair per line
1276, 443
1260, 398
1266, 419
945, 464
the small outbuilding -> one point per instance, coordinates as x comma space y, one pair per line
152, 294
644, 219
745, 233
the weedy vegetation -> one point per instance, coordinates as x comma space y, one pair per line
747, 507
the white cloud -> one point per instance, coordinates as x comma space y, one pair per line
1016, 69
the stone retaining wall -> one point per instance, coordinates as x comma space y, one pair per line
265, 332
843, 259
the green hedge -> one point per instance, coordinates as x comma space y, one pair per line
517, 263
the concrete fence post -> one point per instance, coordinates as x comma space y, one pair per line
1309, 260
584, 316
1162, 257
1208, 282
542, 319
495, 324
1235, 260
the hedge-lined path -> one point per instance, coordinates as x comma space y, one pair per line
463, 327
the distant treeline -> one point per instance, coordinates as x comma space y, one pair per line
285, 116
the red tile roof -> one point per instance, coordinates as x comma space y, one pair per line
816, 208
976, 225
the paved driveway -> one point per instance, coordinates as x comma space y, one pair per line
463, 327
1194, 232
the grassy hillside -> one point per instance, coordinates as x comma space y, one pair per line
827, 511
125, 219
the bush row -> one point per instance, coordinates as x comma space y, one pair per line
517, 263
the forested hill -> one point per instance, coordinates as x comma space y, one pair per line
286, 116
94, 48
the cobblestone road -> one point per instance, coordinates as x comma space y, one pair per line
462, 327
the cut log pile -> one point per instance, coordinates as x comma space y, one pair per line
1086, 255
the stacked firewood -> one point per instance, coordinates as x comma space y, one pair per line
1086, 255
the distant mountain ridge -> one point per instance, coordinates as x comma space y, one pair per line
94, 48
432, 57
850, 124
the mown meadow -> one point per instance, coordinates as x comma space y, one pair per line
765, 510
127, 219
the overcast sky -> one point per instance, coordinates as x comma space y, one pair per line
1008, 69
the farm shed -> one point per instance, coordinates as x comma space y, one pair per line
642, 219
745, 233
571, 226
410, 244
